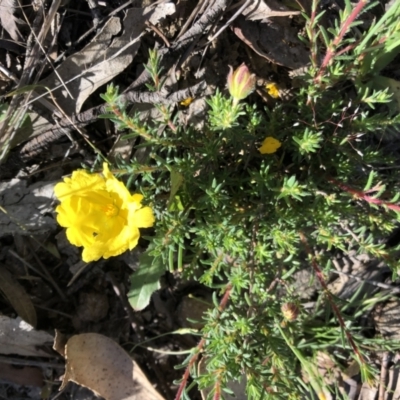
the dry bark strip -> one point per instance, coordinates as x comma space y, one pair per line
35, 145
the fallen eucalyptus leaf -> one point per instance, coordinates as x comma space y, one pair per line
100, 364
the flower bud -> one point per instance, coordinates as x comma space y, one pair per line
290, 311
240, 83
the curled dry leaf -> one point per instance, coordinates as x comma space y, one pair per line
277, 41
60, 340
98, 363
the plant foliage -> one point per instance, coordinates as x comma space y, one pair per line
243, 223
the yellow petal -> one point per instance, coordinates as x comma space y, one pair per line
269, 146
143, 218
80, 236
78, 184
186, 102
127, 239
92, 253
272, 90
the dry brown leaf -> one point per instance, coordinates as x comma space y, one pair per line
106, 56
100, 364
7, 19
264, 9
18, 337
276, 41
17, 296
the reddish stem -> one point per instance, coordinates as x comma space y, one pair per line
321, 279
359, 194
217, 391
221, 307
331, 51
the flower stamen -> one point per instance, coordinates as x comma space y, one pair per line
110, 210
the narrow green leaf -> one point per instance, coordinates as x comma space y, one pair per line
106, 116
176, 183
371, 177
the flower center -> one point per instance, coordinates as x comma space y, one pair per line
110, 210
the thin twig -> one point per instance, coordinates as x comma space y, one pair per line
48, 279
47, 273
125, 304
16, 111
29, 362
158, 32
237, 13
361, 195
192, 16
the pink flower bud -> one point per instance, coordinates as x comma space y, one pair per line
240, 83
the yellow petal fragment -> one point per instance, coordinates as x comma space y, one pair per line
186, 102
270, 145
272, 90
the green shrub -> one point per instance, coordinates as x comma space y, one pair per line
243, 222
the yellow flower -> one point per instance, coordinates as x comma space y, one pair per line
100, 214
269, 145
272, 90
186, 102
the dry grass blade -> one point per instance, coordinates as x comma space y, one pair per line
16, 112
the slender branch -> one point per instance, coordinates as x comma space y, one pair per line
345, 26
221, 307
361, 195
335, 309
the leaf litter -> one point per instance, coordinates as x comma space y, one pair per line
268, 31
